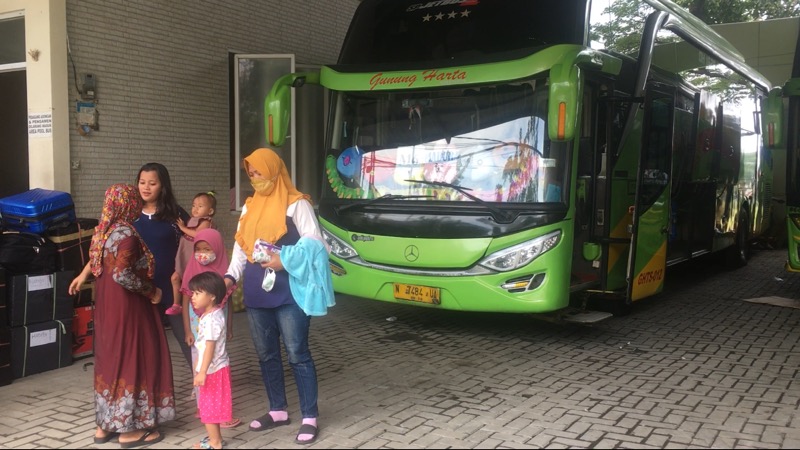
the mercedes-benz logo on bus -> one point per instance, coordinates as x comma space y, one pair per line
411, 253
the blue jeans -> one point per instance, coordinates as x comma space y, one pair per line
267, 326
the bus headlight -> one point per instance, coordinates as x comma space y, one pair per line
521, 254
338, 246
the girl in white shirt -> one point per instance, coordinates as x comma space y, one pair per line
212, 372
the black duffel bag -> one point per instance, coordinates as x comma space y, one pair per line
22, 252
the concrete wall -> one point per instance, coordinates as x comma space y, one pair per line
162, 84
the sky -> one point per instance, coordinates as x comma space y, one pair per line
597, 8
597, 17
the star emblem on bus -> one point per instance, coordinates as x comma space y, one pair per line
411, 253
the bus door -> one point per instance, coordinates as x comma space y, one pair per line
793, 183
651, 220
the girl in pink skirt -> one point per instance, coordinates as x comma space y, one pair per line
212, 372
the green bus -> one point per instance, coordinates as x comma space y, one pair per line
482, 156
791, 91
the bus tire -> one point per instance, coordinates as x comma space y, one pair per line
737, 255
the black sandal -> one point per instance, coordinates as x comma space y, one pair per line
266, 422
109, 437
142, 441
306, 429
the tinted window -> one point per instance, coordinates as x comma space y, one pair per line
458, 31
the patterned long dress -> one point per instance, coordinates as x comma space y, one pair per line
133, 371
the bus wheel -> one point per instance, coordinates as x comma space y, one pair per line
736, 256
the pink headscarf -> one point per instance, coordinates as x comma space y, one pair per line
219, 265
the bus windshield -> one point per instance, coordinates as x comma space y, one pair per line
455, 32
484, 144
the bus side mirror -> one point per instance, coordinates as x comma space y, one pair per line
562, 109
772, 120
278, 104
566, 88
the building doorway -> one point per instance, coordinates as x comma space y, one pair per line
14, 165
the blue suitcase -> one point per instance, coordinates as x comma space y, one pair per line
37, 210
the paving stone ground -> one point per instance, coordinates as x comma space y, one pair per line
694, 367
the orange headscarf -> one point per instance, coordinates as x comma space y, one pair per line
266, 214
121, 207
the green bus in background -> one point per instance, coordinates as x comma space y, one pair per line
791, 90
482, 156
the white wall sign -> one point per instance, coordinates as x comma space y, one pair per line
40, 124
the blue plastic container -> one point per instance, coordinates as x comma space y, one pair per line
37, 210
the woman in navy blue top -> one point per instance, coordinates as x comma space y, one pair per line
158, 228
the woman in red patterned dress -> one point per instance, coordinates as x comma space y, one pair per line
132, 367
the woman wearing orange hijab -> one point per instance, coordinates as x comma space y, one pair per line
277, 214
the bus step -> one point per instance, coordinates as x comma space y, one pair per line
585, 317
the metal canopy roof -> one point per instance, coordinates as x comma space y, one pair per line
767, 46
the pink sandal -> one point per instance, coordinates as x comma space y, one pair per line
232, 424
174, 310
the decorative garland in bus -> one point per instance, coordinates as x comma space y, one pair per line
337, 183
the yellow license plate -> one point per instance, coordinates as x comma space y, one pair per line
414, 293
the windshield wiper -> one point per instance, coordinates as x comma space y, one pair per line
367, 202
498, 214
